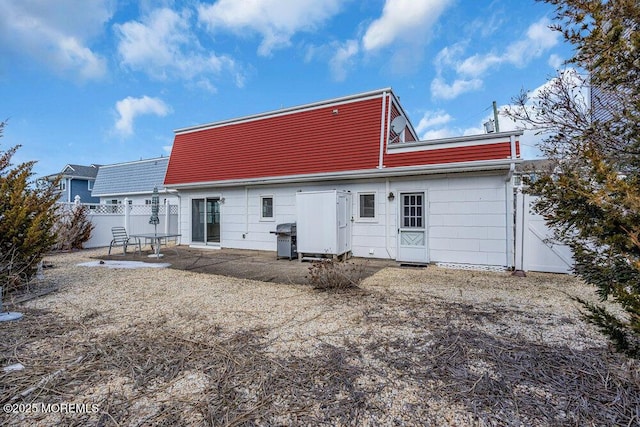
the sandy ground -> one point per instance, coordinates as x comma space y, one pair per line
398, 315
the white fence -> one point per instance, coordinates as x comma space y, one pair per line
535, 248
135, 218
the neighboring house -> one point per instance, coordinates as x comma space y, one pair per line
133, 181
531, 169
76, 180
447, 201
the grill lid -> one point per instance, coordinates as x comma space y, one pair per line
286, 228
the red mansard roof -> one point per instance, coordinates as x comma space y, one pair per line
331, 137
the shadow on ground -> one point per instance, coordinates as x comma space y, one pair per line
244, 264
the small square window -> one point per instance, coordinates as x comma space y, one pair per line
266, 207
367, 206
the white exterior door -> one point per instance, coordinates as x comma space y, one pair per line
344, 223
412, 228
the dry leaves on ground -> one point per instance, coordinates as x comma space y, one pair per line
410, 347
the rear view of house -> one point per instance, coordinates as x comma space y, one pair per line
445, 201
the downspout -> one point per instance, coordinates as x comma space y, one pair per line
382, 117
246, 212
387, 214
509, 204
179, 216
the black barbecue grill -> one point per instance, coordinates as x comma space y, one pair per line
286, 233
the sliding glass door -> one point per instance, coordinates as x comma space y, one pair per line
205, 220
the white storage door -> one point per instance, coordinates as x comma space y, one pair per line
316, 222
323, 222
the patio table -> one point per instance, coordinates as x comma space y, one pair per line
156, 239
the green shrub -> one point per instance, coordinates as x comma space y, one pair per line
27, 216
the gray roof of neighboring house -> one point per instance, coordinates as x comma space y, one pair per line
535, 165
76, 171
130, 178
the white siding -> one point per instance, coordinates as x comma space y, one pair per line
468, 222
466, 216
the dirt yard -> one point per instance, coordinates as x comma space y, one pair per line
160, 346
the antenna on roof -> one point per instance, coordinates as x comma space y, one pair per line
398, 125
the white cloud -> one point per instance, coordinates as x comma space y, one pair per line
56, 33
477, 65
555, 61
403, 20
438, 134
130, 108
343, 58
442, 90
435, 124
431, 119
448, 56
164, 46
275, 20
538, 39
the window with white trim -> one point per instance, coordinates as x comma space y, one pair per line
266, 208
90, 185
366, 206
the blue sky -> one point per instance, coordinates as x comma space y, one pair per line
108, 81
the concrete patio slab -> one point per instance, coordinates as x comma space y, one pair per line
245, 264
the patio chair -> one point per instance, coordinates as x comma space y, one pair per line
121, 238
